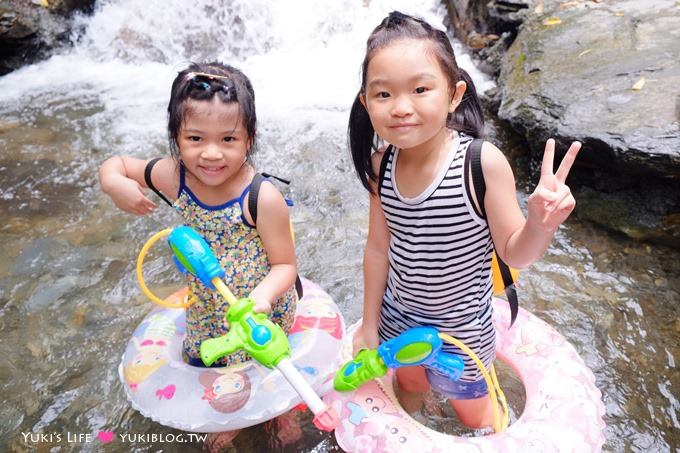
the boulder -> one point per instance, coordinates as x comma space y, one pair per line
31, 31
606, 74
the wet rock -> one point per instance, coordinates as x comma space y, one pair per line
576, 80
604, 73
630, 212
488, 28
31, 31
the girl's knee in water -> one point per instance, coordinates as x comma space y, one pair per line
474, 413
412, 379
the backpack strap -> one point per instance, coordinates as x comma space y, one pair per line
473, 162
510, 290
253, 194
383, 167
147, 179
475, 155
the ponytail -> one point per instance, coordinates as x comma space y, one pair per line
468, 116
360, 135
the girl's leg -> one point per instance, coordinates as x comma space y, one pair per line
412, 385
284, 430
475, 413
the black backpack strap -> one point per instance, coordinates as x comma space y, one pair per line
298, 287
253, 193
383, 167
147, 179
269, 175
475, 156
510, 290
473, 161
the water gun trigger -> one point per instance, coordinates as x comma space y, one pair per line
214, 348
450, 365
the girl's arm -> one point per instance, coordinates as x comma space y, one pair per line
122, 179
519, 241
273, 226
376, 265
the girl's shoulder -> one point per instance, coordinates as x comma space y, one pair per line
163, 174
493, 161
268, 199
377, 157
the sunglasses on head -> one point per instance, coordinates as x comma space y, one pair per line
195, 79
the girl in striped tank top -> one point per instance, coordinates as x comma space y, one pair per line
427, 260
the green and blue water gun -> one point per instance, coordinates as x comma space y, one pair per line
416, 346
263, 340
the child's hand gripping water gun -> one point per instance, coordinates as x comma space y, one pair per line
416, 346
419, 346
265, 341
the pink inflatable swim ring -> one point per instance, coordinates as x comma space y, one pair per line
563, 410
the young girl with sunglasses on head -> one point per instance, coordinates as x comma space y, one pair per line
427, 260
211, 130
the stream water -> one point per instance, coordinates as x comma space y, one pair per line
68, 296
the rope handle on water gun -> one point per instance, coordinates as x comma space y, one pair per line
419, 346
186, 302
254, 332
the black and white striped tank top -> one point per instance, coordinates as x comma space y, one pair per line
439, 260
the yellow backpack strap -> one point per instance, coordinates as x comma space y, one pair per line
504, 277
253, 193
509, 276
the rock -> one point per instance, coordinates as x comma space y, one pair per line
630, 212
488, 28
603, 73
574, 80
30, 31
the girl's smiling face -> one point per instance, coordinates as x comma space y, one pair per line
213, 141
407, 94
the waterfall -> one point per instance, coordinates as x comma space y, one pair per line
303, 58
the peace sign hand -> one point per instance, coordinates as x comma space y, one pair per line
552, 201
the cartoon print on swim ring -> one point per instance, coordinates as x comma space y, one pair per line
161, 386
226, 390
156, 332
317, 313
375, 428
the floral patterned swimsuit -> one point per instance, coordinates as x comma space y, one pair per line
239, 249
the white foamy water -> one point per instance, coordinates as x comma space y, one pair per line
303, 58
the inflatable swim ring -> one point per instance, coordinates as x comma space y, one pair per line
563, 410
161, 386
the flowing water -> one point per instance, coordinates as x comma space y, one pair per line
68, 296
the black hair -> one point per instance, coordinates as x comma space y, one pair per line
203, 82
467, 118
